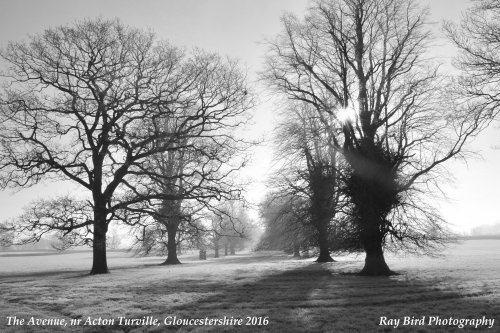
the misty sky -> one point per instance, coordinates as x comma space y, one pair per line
237, 28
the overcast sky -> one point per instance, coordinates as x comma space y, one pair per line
237, 28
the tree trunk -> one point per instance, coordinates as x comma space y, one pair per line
99, 263
203, 255
171, 244
374, 192
225, 248
324, 247
296, 250
216, 248
375, 264
231, 247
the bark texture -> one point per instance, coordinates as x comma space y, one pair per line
172, 244
99, 262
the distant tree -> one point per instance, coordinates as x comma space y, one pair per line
152, 237
149, 239
365, 64
241, 229
215, 237
113, 240
6, 235
196, 173
309, 168
286, 224
64, 218
231, 228
82, 104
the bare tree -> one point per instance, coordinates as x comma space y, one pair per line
477, 38
309, 166
286, 224
365, 64
67, 219
199, 167
149, 239
152, 236
230, 227
215, 237
6, 235
82, 104
240, 230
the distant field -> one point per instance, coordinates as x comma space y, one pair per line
294, 295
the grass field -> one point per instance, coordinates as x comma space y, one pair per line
294, 295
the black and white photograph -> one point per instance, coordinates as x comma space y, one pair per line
249, 166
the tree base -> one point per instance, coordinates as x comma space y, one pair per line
99, 271
375, 265
325, 258
377, 273
171, 262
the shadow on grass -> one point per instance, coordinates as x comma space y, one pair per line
16, 277
255, 257
319, 298
295, 296
278, 297
12, 277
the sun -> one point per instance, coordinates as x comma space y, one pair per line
347, 114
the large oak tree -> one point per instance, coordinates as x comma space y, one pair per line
83, 103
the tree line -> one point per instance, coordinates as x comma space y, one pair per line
371, 122
144, 128
150, 132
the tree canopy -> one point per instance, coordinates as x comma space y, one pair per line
365, 65
86, 103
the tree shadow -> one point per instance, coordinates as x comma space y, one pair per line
278, 297
294, 295
256, 257
320, 298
